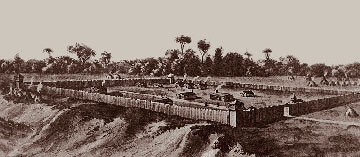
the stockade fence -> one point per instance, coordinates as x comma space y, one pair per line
264, 115
80, 84
260, 116
189, 110
271, 114
192, 112
321, 104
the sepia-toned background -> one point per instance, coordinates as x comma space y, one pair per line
313, 31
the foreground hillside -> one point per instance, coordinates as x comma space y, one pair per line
66, 127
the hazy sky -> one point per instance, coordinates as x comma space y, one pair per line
321, 31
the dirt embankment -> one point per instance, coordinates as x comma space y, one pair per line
67, 127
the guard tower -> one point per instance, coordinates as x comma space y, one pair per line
18, 81
172, 78
237, 105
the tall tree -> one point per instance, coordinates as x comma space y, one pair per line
338, 73
105, 58
304, 69
7, 67
172, 59
249, 64
48, 51
50, 59
172, 54
233, 64
207, 66
203, 47
35, 66
291, 64
61, 63
186, 61
17, 63
160, 67
248, 54
353, 69
267, 52
319, 69
150, 65
183, 40
83, 52
218, 62
192, 63
270, 67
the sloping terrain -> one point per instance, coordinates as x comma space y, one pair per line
68, 127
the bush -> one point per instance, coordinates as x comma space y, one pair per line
5, 81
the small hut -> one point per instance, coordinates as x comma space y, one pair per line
324, 81
348, 83
337, 83
344, 83
109, 76
312, 84
347, 80
172, 78
354, 83
116, 76
308, 77
351, 113
332, 83
291, 78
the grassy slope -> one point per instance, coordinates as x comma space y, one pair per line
338, 113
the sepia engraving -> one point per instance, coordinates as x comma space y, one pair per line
159, 78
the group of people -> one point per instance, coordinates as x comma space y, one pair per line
19, 93
113, 76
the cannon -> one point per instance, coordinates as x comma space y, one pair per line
226, 97
164, 100
187, 96
247, 93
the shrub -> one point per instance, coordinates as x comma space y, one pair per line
5, 81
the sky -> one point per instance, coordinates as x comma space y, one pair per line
322, 31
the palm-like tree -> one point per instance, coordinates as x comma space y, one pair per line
183, 40
83, 52
203, 47
48, 51
248, 54
105, 58
267, 52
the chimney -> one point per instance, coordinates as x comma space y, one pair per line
216, 91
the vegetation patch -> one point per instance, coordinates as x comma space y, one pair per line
9, 129
344, 143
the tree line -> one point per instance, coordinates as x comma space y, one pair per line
85, 63
183, 61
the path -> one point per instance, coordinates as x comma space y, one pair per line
325, 121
